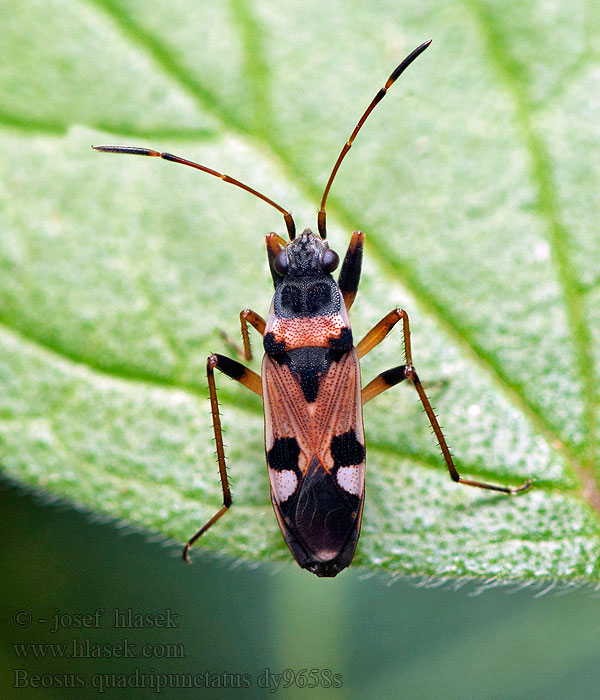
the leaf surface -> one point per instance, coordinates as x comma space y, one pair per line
476, 182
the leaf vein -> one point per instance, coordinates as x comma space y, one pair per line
559, 239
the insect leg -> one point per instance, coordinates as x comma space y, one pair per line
351, 267
249, 379
382, 382
381, 330
391, 377
247, 316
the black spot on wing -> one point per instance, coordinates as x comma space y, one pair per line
346, 450
284, 455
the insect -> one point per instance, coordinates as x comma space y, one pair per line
310, 382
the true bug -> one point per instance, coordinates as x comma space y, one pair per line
310, 382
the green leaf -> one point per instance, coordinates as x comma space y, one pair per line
476, 182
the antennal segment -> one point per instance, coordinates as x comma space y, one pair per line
348, 145
136, 151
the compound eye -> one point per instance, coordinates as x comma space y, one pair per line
330, 260
281, 263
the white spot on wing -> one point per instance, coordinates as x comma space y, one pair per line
349, 478
284, 483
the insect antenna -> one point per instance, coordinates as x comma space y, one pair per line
136, 151
348, 145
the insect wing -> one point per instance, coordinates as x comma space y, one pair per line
316, 460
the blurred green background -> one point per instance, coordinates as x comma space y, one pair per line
477, 184
385, 639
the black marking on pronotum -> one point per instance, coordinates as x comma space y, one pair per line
272, 346
346, 450
291, 298
318, 297
344, 341
307, 297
